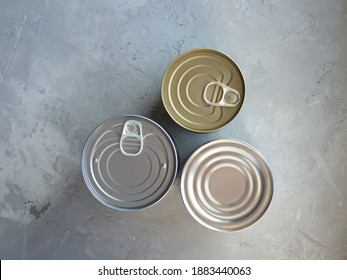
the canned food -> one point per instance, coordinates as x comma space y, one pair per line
203, 90
129, 162
226, 185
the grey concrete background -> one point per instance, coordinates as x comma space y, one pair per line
66, 66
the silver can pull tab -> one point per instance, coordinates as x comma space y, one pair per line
230, 97
131, 129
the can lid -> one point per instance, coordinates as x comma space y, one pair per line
203, 90
226, 185
129, 162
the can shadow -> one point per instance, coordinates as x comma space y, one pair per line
159, 114
185, 141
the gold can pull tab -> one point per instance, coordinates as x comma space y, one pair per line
230, 97
131, 129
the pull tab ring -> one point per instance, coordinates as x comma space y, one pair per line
131, 129
230, 98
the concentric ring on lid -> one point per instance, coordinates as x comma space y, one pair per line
226, 185
189, 77
129, 162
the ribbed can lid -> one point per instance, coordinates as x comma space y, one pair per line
226, 185
129, 162
203, 90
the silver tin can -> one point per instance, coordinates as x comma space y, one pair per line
226, 185
129, 162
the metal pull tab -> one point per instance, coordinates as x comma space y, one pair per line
131, 129
230, 98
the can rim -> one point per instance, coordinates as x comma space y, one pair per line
180, 57
89, 184
191, 158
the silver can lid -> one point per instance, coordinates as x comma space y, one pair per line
226, 185
129, 162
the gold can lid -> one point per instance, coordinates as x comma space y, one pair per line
203, 90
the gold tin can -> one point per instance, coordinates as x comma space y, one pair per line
203, 90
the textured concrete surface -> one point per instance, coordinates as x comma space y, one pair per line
66, 66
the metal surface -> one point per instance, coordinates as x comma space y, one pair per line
68, 65
226, 185
230, 97
129, 162
199, 88
132, 130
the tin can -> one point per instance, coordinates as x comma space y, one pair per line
203, 90
129, 162
226, 185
